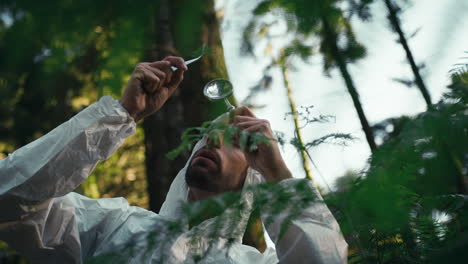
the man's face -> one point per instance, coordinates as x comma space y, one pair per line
217, 168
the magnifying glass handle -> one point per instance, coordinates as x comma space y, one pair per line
228, 104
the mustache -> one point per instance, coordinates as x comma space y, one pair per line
209, 154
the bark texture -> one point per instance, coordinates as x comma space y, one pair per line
180, 27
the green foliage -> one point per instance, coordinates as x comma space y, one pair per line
227, 220
459, 86
58, 56
218, 132
305, 20
333, 138
308, 21
229, 135
361, 8
409, 206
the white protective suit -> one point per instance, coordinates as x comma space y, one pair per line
44, 220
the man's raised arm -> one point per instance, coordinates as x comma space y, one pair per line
58, 162
46, 228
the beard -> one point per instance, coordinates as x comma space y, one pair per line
203, 178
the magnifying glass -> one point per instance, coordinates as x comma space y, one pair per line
218, 89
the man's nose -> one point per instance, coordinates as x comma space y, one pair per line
214, 139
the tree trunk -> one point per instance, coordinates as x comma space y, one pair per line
331, 40
395, 23
292, 106
178, 34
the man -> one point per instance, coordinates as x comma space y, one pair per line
44, 220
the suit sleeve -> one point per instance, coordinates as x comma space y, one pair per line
39, 219
58, 162
312, 237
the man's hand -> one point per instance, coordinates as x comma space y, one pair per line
267, 158
150, 85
